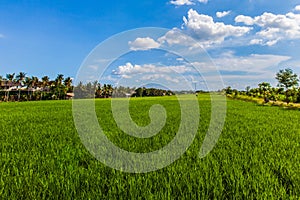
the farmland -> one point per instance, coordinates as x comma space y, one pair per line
257, 155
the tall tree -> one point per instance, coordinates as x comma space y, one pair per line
10, 78
287, 79
20, 80
264, 88
247, 89
109, 90
45, 84
58, 85
104, 90
34, 84
68, 84
59, 79
28, 84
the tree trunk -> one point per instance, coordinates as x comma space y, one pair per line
19, 95
286, 96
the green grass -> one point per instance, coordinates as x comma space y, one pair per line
257, 155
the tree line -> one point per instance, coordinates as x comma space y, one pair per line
287, 89
148, 92
20, 87
96, 90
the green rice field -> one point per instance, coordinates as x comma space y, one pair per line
257, 155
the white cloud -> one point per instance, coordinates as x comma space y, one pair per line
129, 69
186, 2
244, 19
203, 28
223, 14
160, 76
145, 72
203, 67
203, 1
297, 8
1, 36
126, 76
251, 63
254, 63
143, 44
175, 37
250, 69
240, 71
273, 27
181, 2
256, 41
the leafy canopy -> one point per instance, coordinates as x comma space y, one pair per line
287, 78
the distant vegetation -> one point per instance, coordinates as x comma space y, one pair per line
286, 89
25, 88
148, 92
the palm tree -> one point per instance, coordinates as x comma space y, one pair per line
98, 90
28, 83
68, 84
20, 78
58, 83
45, 83
104, 91
109, 90
34, 83
10, 78
59, 79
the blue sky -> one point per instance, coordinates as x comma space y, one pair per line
248, 41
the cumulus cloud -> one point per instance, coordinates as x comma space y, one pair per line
223, 14
129, 69
144, 72
143, 44
181, 2
297, 8
203, 28
269, 30
175, 37
273, 27
244, 19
